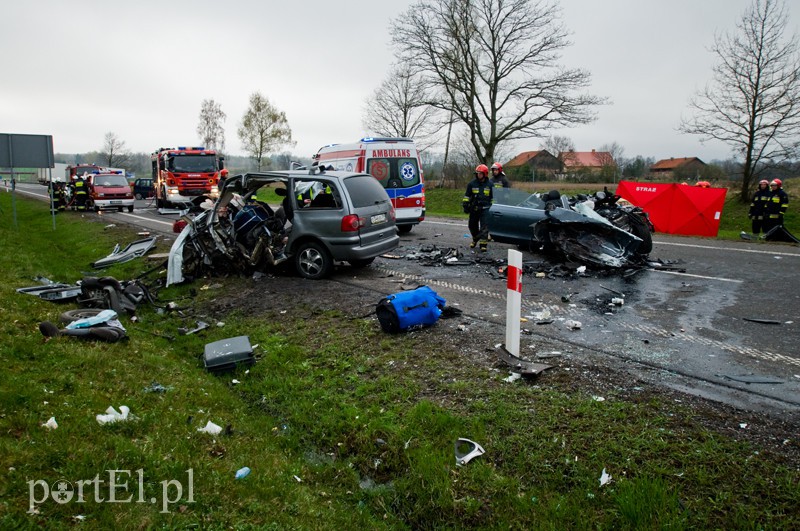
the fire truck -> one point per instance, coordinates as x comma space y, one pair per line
74, 171
183, 173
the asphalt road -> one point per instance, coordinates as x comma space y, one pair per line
684, 325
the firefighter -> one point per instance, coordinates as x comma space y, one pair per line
60, 196
477, 200
499, 179
758, 206
80, 193
777, 205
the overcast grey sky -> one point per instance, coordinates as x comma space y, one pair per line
78, 69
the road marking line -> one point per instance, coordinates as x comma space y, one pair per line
571, 312
725, 248
678, 273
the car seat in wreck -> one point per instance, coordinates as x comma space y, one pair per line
552, 200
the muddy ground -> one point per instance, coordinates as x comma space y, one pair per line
574, 370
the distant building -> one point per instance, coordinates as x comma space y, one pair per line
588, 162
536, 164
681, 168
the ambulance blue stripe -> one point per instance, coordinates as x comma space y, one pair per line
412, 190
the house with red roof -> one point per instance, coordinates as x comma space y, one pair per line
680, 168
533, 163
594, 161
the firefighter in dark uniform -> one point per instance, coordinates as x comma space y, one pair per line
60, 196
758, 206
499, 179
477, 200
80, 193
777, 205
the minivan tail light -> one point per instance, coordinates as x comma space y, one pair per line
392, 213
351, 223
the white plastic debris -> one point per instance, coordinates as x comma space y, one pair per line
604, 478
598, 398
513, 377
572, 325
112, 415
51, 424
235, 381
617, 301
743, 425
211, 428
298, 479
581, 270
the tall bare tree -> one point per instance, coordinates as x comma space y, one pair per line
399, 107
495, 64
556, 145
210, 128
264, 129
114, 152
753, 101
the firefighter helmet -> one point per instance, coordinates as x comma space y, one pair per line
497, 166
481, 168
776, 182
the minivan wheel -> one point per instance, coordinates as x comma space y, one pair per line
130, 208
139, 197
404, 229
312, 261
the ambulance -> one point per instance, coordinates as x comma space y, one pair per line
394, 162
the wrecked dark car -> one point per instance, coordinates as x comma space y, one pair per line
592, 229
324, 217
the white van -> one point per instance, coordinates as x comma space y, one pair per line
394, 162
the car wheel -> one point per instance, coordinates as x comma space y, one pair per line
139, 197
358, 264
312, 261
119, 209
404, 229
130, 208
640, 229
73, 315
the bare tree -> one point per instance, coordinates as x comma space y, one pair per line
753, 101
611, 156
114, 152
264, 129
399, 107
495, 64
556, 145
210, 128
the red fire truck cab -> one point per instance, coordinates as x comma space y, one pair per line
184, 173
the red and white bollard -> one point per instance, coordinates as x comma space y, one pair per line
513, 301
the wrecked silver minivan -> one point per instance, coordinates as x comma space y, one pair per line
324, 217
593, 229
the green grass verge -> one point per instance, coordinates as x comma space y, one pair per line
343, 428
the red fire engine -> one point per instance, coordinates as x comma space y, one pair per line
77, 170
183, 173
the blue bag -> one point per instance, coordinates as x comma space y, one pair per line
409, 309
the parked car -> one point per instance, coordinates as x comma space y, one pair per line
324, 218
143, 188
593, 229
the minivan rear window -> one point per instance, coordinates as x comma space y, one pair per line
365, 191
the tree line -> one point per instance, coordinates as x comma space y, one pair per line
477, 75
